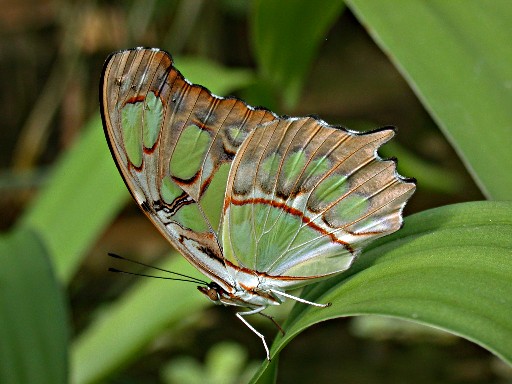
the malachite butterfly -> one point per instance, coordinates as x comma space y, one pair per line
259, 203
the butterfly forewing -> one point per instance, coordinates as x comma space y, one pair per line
173, 143
304, 197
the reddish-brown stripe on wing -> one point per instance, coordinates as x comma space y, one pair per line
292, 211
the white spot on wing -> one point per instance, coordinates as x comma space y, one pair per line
138, 196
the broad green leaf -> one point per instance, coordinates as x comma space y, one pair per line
127, 326
83, 194
449, 267
456, 56
286, 36
33, 320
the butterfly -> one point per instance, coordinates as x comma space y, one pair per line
260, 204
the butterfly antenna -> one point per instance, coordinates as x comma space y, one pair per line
154, 277
188, 278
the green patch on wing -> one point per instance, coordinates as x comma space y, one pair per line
311, 252
213, 199
131, 123
349, 209
169, 190
235, 132
259, 234
330, 189
318, 167
238, 240
189, 152
141, 124
278, 230
152, 119
188, 215
270, 166
294, 165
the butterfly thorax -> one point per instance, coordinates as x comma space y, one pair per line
240, 296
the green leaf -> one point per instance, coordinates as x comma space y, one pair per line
449, 267
184, 370
456, 56
225, 363
286, 36
130, 324
218, 79
33, 319
84, 193
430, 177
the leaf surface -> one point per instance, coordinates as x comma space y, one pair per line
33, 319
449, 268
456, 56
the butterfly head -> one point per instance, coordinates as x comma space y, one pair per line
213, 291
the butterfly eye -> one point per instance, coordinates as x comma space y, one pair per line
210, 292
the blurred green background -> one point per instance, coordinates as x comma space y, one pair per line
439, 71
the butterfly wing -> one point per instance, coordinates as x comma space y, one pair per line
304, 197
173, 143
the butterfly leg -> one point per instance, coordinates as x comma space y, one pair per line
273, 320
252, 312
279, 293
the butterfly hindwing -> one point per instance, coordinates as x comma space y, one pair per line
304, 197
173, 143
